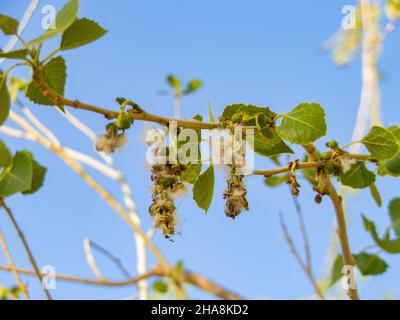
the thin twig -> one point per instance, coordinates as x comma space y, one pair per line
12, 267
305, 266
87, 248
26, 246
111, 256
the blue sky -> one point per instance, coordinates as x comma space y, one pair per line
254, 51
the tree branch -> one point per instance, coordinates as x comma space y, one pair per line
188, 277
12, 267
26, 246
348, 259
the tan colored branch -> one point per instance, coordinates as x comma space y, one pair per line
12, 267
348, 259
61, 101
26, 246
188, 277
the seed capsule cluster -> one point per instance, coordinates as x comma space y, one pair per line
167, 186
112, 140
235, 195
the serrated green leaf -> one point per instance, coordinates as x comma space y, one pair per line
193, 86
268, 147
65, 18
55, 75
38, 176
160, 287
248, 110
17, 177
5, 155
396, 132
337, 270
394, 212
305, 123
390, 246
358, 177
375, 194
17, 54
370, 264
8, 25
81, 32
4, 100
381, 143
191, 173
203, 189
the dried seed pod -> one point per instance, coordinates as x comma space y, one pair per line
167, 186
235, 196
110, 142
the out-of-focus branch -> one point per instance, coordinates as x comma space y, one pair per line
141, 255
87, 248
26, 246
75, 166
306, 266
369, 109
12, 267
22, 25
187, 277
117, 261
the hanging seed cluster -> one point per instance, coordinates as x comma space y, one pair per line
235, 195
167, 186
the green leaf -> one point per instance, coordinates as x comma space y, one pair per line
160, 287
191, 173
17, 177
5, 155
55, 75
390, 246
381, 143
81, 32
370, 264
396, 132
276, 180
175, 83
193, 86
211, 115
337, 270
375, 194
247, 109
18, 54
358, 177
4, 100
305, 123
268, 147
394, 211
38, 176
8, 25
203, 189
65, 18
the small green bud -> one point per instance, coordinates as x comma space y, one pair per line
111, 127
326, 156
224, 124
332, 144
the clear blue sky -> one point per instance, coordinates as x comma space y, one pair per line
253, 51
